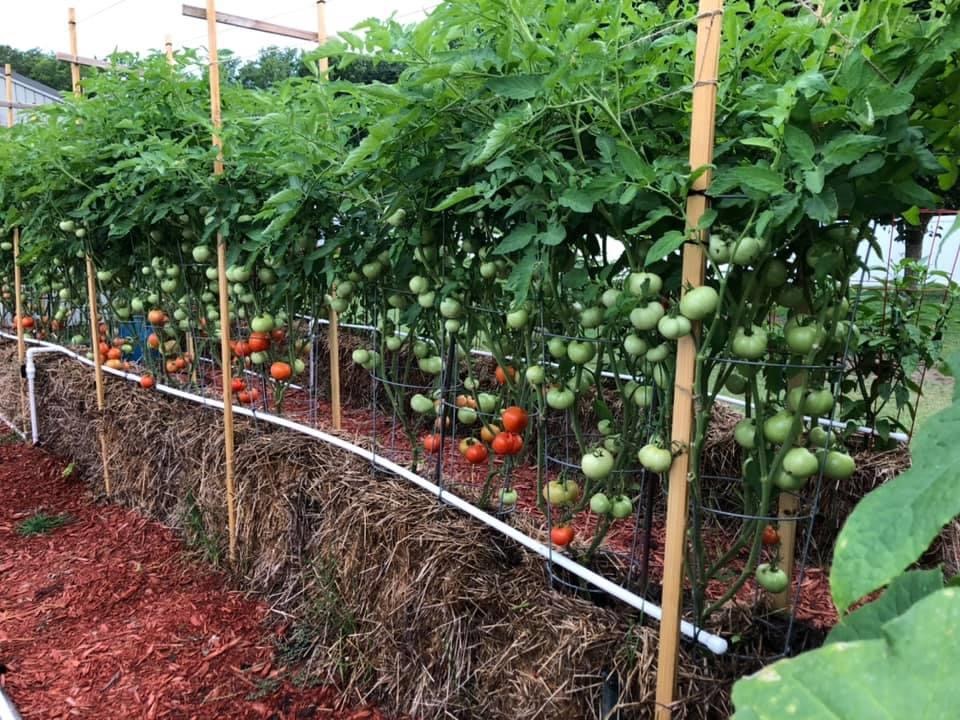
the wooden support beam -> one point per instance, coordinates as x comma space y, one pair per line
77, 60
251, 24
9, 105
709, 23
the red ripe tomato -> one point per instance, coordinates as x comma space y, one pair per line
561, 535
770, 535
259, 342
26, 322
477, 453
278, 335
156, 317
514, 419
281, 371
502, 374
254, 395
114, 353
153, 342
507, 443
243, 397
431, 443
242, 349
171, 367
237, 384
147, 382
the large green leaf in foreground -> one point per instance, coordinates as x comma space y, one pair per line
907, 674
893, 525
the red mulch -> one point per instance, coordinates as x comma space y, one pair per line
107, 617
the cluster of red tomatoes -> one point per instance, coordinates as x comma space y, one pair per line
504, 437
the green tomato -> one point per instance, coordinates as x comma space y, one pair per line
173, 271
600, 504
431, 365
597, 463
622, 507
736, 383
699, 303
634, 345
535, 375
418, 284
560, 398
262, 323
803, 338
776, 429
169, 285
67, 225
791, 296
647, 316
746, 250
471, 383
421, 349
518, 319
786, 481
104, 276
466, 416
450, 308
605, 427
642, 395
718, 249
557, 348
818, 402
661, 376
659, 353
361, 356
800, 462
774, 273
421, 404
338, 305
673, 328
372, 270
487, 402
426, 300
749, 344
838, 465
580, 352
488, 270
745, 433
613, 443
610, 297
772, 579
644, 284
508, 497
591, 317
394, 343
820, 438
398, 301
655, 459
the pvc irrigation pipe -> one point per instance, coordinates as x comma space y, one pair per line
8, 711
714, 643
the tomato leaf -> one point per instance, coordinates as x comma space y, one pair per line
516, 87
517, 239
894, 524
577, 200
667, 244
850, 147
457, 196
906, 672
799, 146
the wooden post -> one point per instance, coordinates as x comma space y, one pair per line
17, 279
168, 49
91, 279
225, 352
709, 23
333, 337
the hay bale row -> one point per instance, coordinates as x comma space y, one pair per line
401, 601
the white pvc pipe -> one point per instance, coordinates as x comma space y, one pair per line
714, 643
8, 711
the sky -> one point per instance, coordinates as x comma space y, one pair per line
141, 25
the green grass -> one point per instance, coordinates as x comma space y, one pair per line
42, 524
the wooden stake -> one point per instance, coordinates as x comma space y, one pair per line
18, 309
333, 332
225, 352
322, 32
168, 49
709, 22
91, 280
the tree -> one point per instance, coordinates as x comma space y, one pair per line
273, 65
38, 65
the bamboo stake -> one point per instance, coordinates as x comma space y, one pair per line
709, 20
17, 278
333, 337
91, 281
225, 353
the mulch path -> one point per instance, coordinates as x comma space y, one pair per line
108, 617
